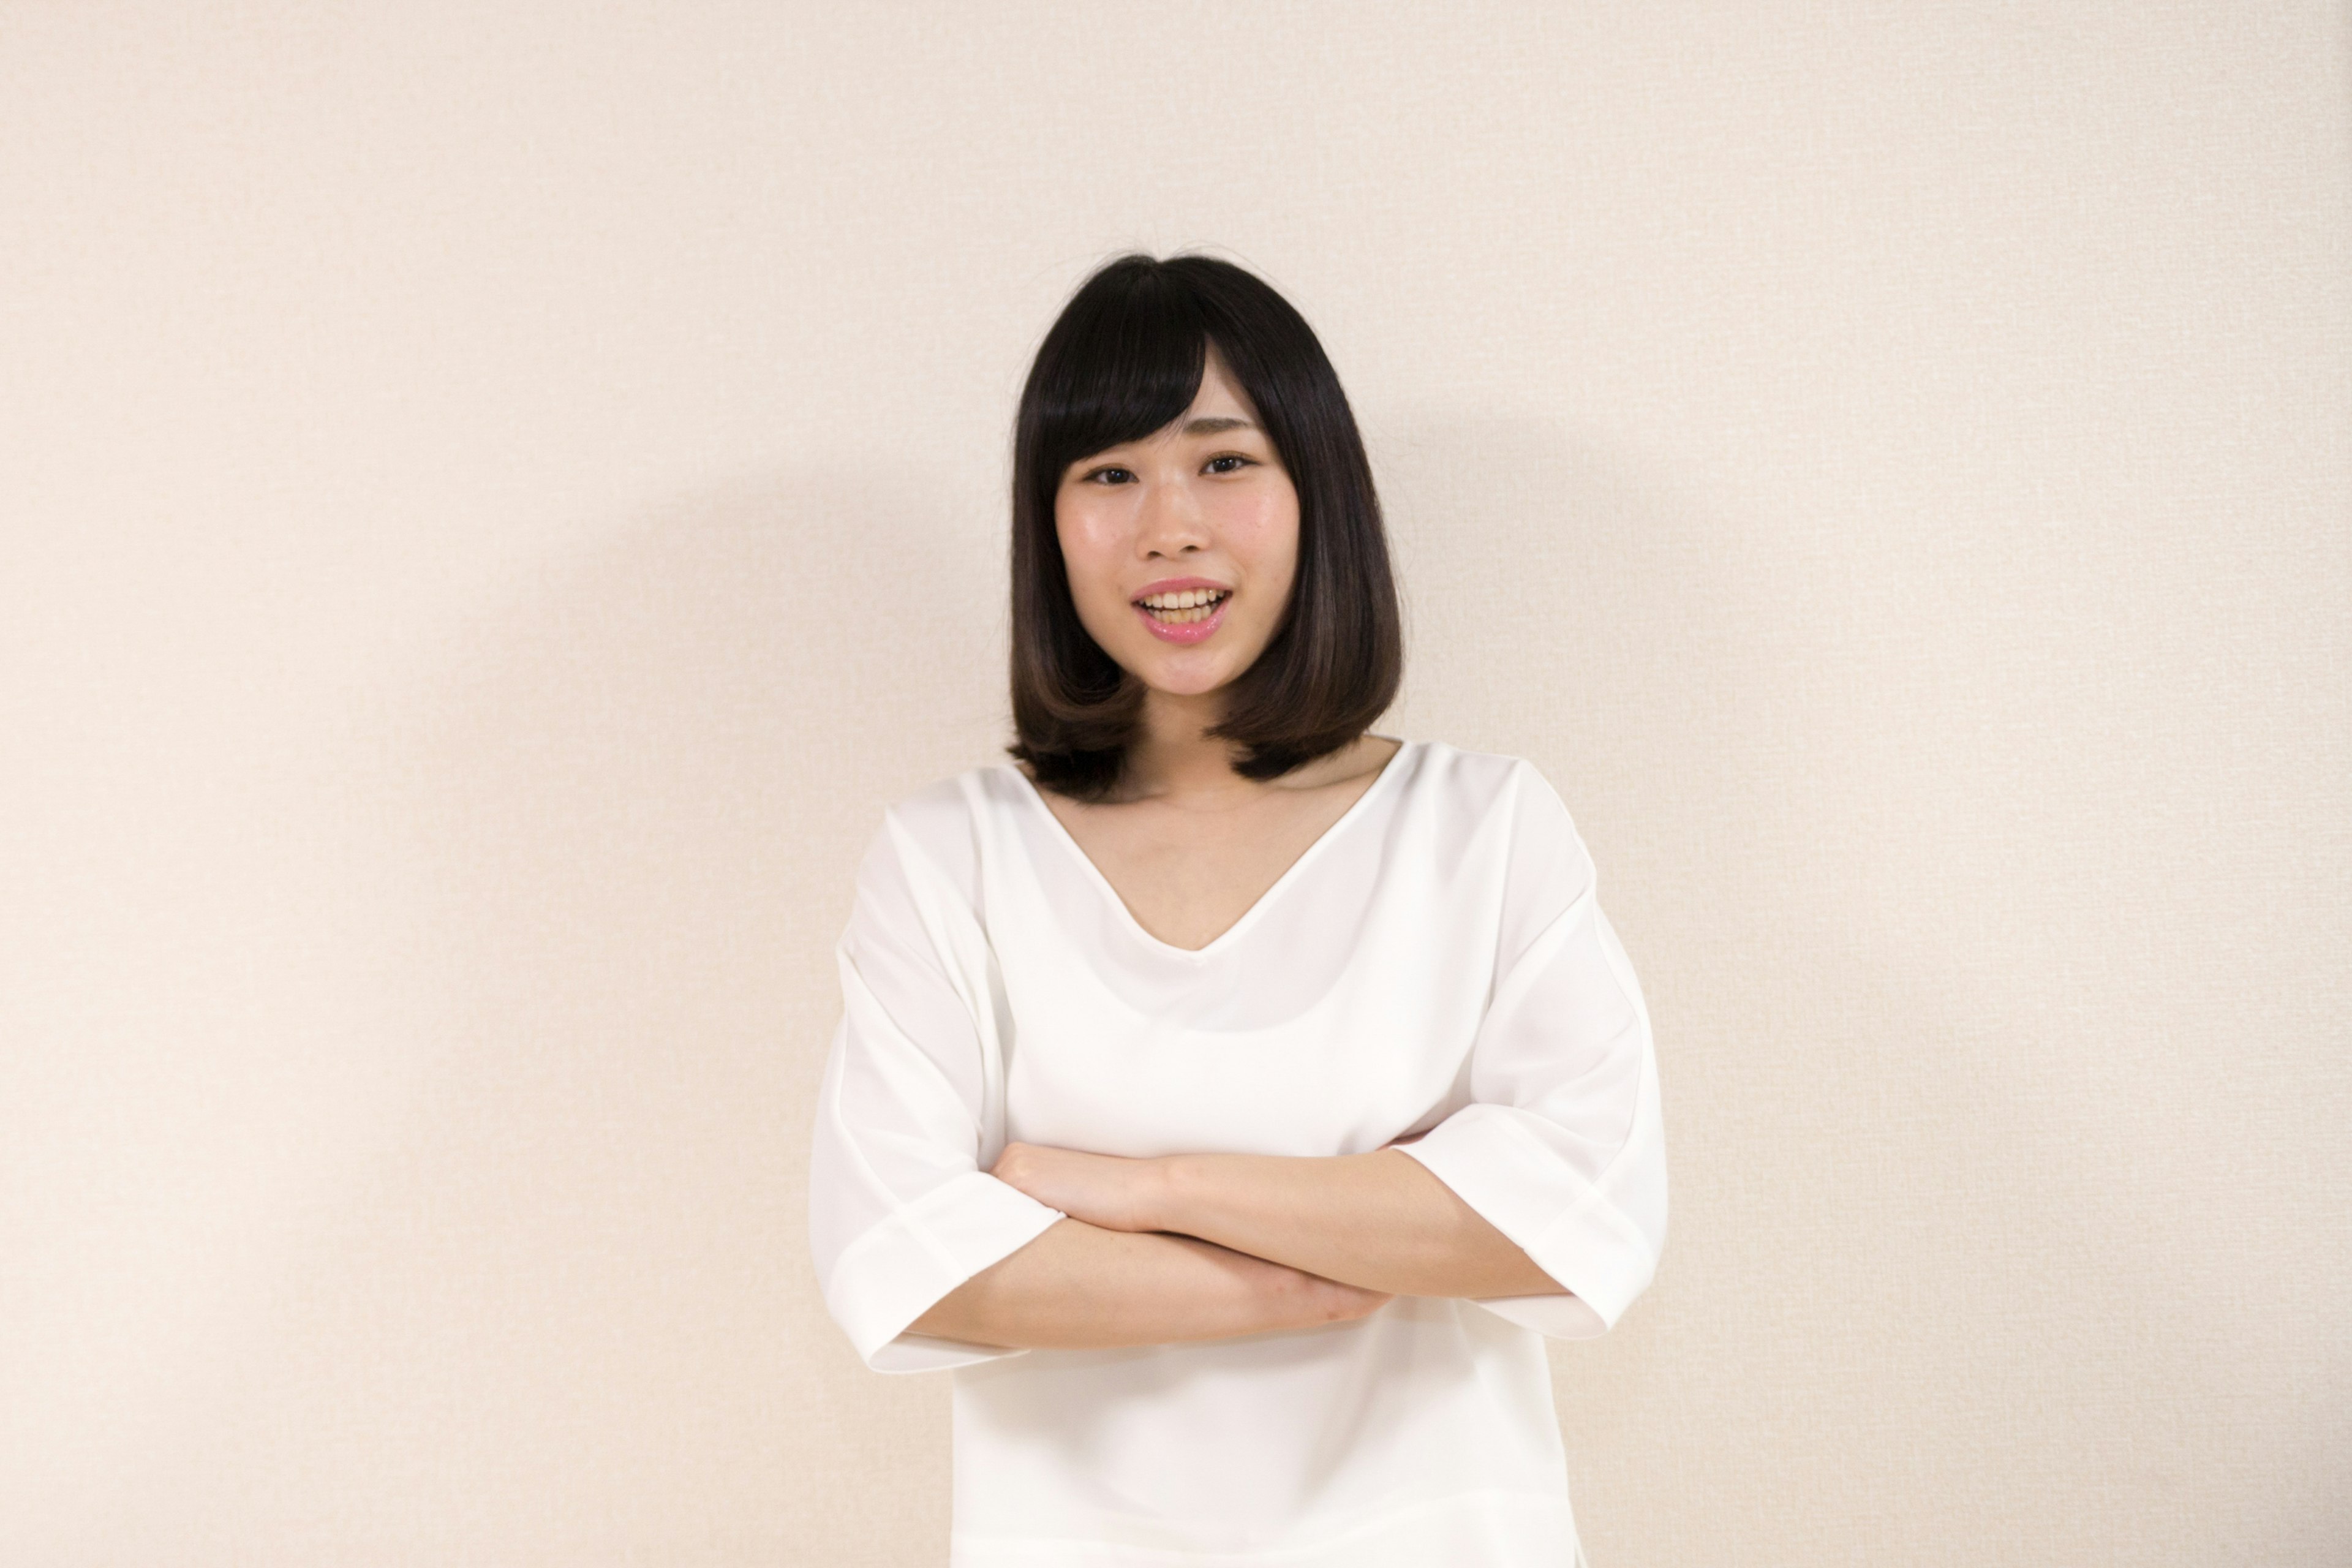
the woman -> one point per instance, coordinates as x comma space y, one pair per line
1234, 1098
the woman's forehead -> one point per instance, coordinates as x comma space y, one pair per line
1219, 393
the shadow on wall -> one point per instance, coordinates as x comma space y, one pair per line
629, 807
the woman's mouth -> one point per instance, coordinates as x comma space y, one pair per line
1186, 617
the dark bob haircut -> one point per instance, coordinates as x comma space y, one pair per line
1123, 359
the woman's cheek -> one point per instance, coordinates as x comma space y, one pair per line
1264, 536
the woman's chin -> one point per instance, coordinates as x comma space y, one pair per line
1177, 672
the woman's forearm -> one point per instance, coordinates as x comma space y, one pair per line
1379, 1220
1080, 1286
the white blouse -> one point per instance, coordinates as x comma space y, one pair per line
1436, 963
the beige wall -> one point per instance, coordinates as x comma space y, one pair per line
495, 506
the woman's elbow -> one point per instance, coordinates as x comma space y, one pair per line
966, 1314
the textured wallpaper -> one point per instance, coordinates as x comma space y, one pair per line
493, 503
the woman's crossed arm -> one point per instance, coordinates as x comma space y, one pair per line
1206, 1245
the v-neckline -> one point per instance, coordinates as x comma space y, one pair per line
1248, 916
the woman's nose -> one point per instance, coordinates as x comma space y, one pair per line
1172, 519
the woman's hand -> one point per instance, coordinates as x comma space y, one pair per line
1106, 1190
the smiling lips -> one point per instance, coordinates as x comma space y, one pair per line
1185, 614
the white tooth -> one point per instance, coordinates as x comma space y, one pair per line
1188, 599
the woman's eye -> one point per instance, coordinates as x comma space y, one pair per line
1114, 475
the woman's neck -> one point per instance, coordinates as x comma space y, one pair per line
1174, 762
1172, 758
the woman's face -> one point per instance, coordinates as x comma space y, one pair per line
1199, 511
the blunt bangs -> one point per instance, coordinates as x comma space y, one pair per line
1123, 359
1115, 368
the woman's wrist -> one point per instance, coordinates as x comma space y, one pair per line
1275, 1295
1162, 1190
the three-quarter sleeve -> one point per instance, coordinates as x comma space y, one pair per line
910, 1116
1561, 1146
